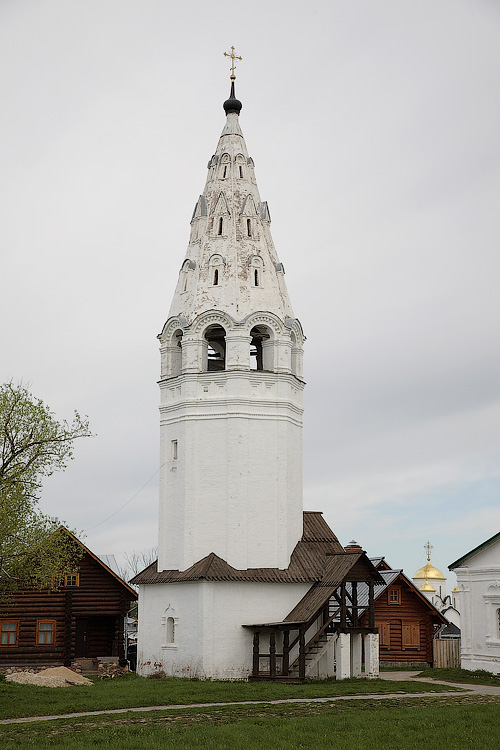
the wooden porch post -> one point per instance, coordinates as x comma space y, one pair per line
355, 604
286, 652
302, 652
68, 616
343, 606
256, 649
272, 654
371, 604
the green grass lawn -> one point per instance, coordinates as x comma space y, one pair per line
29, 700
430, 723
468, 676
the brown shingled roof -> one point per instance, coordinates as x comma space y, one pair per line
351, 565
307, 562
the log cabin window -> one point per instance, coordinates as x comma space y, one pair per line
384, 632
411, 635
72, 580
45, 632
394, 595
9, 632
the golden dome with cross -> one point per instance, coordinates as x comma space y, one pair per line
429, 571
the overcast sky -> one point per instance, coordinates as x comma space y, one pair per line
374, 127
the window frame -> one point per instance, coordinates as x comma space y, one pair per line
52, 631
15, 631
394, 590
410, 635
68, 584
384, 631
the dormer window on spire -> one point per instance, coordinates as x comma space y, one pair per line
225, 165
216, 269
256, 267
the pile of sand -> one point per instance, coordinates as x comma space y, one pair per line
51, 677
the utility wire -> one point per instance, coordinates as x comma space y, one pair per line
124, 504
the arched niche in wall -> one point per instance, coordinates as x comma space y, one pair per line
169, 623
186, 267
215, 355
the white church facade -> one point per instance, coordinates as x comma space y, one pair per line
478, 576
246, 584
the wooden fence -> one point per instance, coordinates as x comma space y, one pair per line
446, 653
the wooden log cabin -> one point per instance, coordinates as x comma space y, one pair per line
82, 619
406, 620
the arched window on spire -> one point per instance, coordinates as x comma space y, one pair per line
240, 165
256, 271
225, 165
216, 265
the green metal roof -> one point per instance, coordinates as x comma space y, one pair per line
485, 544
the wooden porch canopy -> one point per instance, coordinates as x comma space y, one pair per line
331, 603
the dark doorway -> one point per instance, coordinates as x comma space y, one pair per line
82, 637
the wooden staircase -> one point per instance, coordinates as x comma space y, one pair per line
314, 654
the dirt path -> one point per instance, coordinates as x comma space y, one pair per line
395, 676
408, 676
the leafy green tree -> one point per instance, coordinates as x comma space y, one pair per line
33, 444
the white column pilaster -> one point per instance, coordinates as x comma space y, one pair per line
343, 656
371, 655
356, 654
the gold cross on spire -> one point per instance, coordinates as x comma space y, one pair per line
428, 548
233, 58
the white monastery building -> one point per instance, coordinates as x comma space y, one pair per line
246, 584
478, 576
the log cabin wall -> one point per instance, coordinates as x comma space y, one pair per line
100, 600
406, 624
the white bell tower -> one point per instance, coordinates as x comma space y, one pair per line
231, 382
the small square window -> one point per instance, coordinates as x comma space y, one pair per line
9, 632
72, 580
45, 632
394, 596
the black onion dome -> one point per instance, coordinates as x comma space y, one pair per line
232, 104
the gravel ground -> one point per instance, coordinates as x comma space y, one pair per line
51, 677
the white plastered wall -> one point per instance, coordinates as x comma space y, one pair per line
479, 587
210, 640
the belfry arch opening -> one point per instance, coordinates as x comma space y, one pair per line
261, 349
215, 337
175, 352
